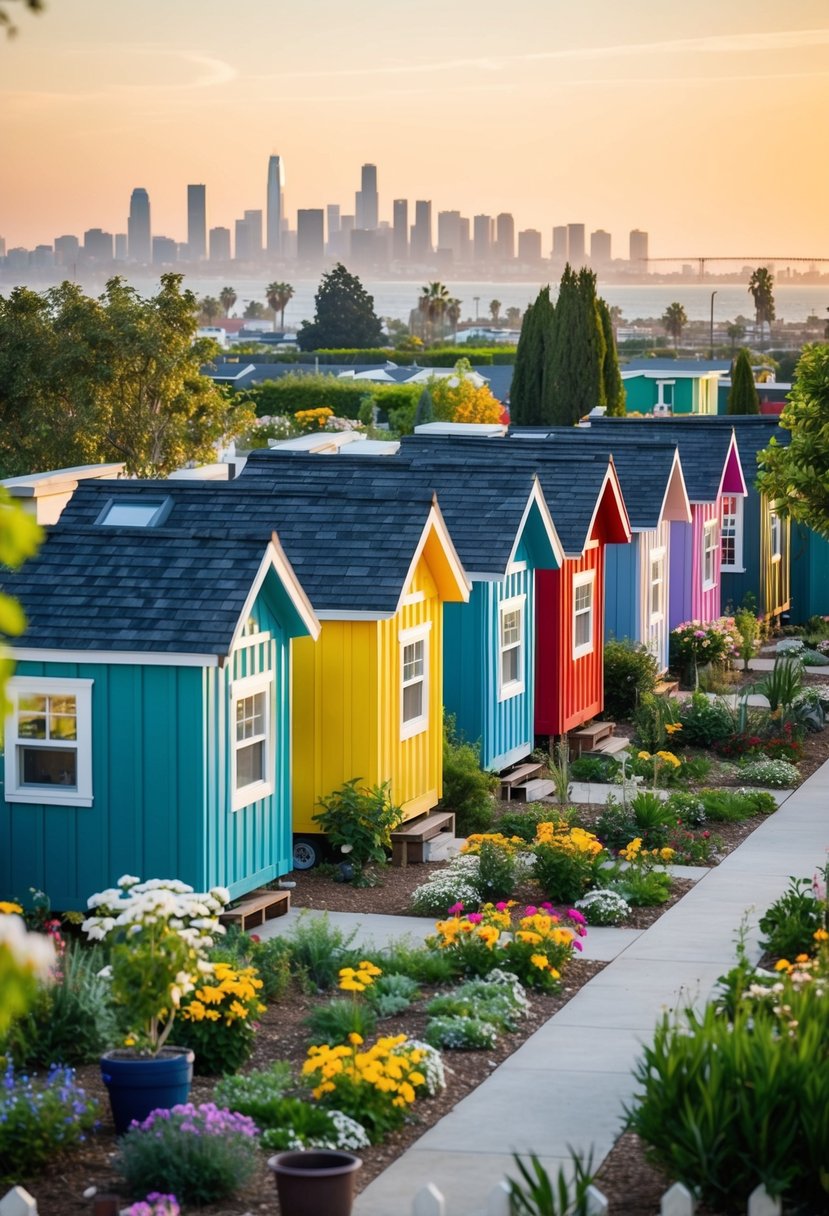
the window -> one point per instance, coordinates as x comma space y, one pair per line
414, 682
583, 589
657, 586
135, 512
253, 747
776, 533
731, 533
709, 555
49, 741
511, 648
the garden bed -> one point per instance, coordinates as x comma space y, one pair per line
281, 1035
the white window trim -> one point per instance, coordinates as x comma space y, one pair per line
51, 795
711, 526
775, 518
737, 567
419, 633
585, 578
248, 686
657, 555
515, 687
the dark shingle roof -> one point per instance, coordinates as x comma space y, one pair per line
701, 366
145, 589
483, 510
703, 453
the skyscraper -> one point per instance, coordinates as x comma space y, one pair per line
310, 244
449, 233
196, 222
482, 238
639, 248
420, 247
529, 246
505, 237
138, 227
67, 249
600, 247
219, 244
97, 245
575, 245
366, 200
276, 205
400, 234
560, 243
249, 237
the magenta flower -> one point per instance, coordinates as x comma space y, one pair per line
475, 918
456, 909
577, 944
530, 910
501, 906
547, 907
575, 915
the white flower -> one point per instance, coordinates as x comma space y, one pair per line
31, 951
128, 880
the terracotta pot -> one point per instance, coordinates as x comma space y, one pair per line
315, 1181
139, 1084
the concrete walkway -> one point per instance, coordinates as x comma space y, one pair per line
569, 1082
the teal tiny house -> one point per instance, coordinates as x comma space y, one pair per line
150, 722
672, 386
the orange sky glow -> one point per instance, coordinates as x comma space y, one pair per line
704, 123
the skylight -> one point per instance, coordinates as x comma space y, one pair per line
134, 512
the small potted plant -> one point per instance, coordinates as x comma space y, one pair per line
158, 933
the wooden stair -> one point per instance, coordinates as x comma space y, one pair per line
515, 780
257, 907
584, 742
666, 688
408, 842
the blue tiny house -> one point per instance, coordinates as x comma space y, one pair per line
150, 724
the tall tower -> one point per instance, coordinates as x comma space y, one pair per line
369, 199
196, 223
276, 205
575, 245
400, 230
639, 249
139, 241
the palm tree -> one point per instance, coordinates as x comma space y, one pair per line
279, 296
210, 308
495, 311
453, 312
433, 303
675, 319
228, 298
736, 333
514, 317
761, 286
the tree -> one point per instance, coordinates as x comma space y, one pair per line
495, 311
453, 313
736, 332
675, 319
457, 398
433, 304
797, 476
743, 397
209, 308
528, 389
761, 285
86, 380
513, 317
344, 315
425, 409
254, 311
34, 6
227, 298
614, 387
576, 351
279, 296
19, 539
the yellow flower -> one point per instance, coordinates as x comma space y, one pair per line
540, 961
666, 854
355, 1039
782, 964
8, 908
672, 727
821, 935
643, 755
129, 1041
351, 985
372, 969
670, 758
801, 958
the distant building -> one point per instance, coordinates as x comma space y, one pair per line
249, 237
639, 249
600, 247
560, 247
197, 223
97, 245
449, 233
366, 209
139, 241
529, 246
421, 237
332, 217
400, 227
276, 206
575, 245
2, 246
67, 249
17, 259
482, 238
42, 257
219, 248
505, 237
121, 247
165, 251
370, 248
310, 236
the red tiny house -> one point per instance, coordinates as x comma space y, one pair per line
570, 622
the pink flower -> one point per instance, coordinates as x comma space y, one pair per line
575, 915
530, 910
577, 944
501, 906
455, 910
547, 907
475, 918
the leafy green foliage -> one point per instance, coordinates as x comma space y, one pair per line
333, 1022
257, 1094
652, 718
419, 964
461, 1033
39, 1118
535, 1193
705, 722
343, 314
674, 320
576, 351
564, 875
783, 682
732, 806
501, 1004
614, 388
595, 768
20, 536
391, 994
497, 872
654, 819
115, 378
528, 389
616, 825
743, 397
359, 822
643, 887
789, 925
467, 788
319, 949
271, 958
525, 823
300, 1125
308, 390
630, 671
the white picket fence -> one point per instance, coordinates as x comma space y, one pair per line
678, 1201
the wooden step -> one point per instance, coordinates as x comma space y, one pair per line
533, 791
587, 737
610, 746
259, 906
515, 776
666, 688
408, 841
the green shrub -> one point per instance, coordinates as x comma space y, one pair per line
731, 806
359, 822
419, 964
687, 809
391, 994
198, 1153
461, 1033
271, 958
654, 819
467, 788
630, 671
333, 1022
72, 1021
301, 1125
651, 720
776, 774
306, 391
496, 872
319, 949
643, 888
534, 1193
595, 768
525, 823
218, 1019
789, 925
255, 1093
616, 825
563, 874
783, 682
39, 1118
500, 1001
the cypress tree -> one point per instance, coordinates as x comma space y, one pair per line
591, 391
576, 355
743, 397
558, 363
527, 389
613, 384
425, 411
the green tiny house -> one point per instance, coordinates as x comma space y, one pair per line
670, 386
150, 723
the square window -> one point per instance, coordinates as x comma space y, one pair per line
48, 755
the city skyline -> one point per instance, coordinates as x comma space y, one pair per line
674, 122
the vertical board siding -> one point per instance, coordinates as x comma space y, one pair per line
705, 603
809, 567
146, 817
653, 633
568, 691
682, 570
623, 592
509, 732
465, 629
775, 576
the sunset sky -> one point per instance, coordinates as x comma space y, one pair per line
706, 123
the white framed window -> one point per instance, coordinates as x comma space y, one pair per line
252, 744
710, 544
657, 586
414, 681
664, 397
48, 745
776, 536
511, 647
584, 589
731, 532
137, 512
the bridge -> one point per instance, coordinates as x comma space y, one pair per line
745, 259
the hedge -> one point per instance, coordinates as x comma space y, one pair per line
442, 357
307, 392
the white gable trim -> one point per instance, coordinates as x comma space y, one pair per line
537, 497
132, 658
675, 474
274, 559
733, 444
435, 520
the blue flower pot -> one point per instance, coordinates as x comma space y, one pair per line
139, 1084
